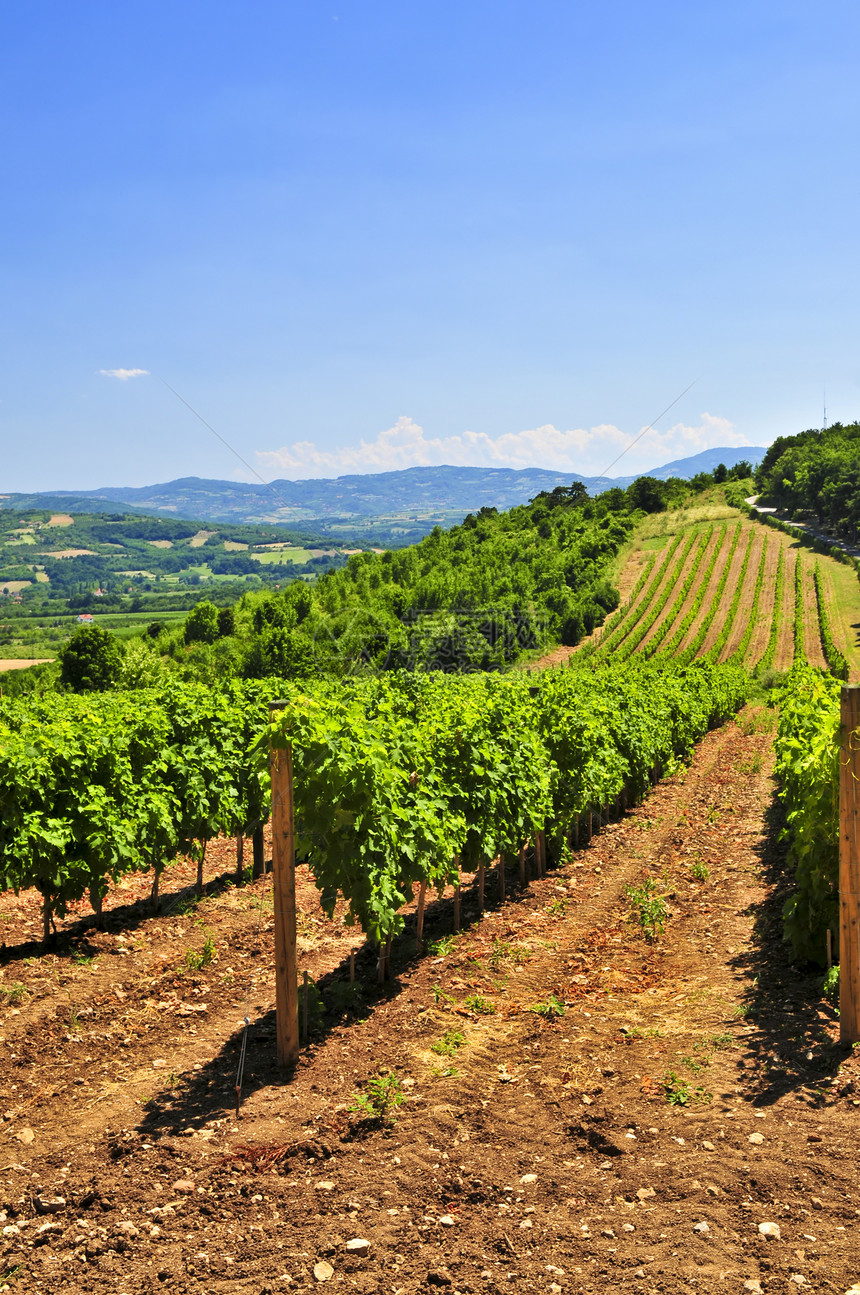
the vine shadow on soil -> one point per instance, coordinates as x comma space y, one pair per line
793, 1049
208, 1093
78, 936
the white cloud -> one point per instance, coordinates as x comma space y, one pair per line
124, 374
586, 451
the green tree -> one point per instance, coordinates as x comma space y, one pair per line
91, 661
201, 623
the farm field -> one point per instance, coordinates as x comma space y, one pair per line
705, 582
532, 1151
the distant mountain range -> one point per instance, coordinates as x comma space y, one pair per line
411, 492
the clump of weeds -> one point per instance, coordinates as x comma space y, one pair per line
481, 1006
197, 959
447, 1046
550, 1008
648, 908
679, 1093
381, 1097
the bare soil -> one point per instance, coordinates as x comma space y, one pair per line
742, 617
534, 1150
677, 574
785, 640
761, 634
716, 574
716, 626
20, 663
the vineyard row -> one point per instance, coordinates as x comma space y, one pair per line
401, 779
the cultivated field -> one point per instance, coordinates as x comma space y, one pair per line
578, 1102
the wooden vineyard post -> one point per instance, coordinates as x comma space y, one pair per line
240, 858
284, 894
422, 896
457, 904
481, 888
523, 864
849, 866
501, 876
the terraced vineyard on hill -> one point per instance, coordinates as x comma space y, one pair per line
720, 586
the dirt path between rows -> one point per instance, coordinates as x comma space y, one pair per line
715, 628
677, 575
785, 639
533, 1151
747, 596
716, 574
764, 620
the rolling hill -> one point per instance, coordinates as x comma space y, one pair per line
446, 493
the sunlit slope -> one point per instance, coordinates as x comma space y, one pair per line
704, 581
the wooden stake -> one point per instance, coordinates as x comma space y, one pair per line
153, 895
541, 836
590, 825
501, 878
481, 888
305, 1009
422, 895
240, 858
352, 966
849, 866
199, 887
457, 906
576, 833
388, 957
259, 849
284, 895
523, 864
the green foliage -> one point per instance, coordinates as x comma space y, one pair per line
699, 870
766, 662
395, 777
382, 1096
13, 994
550, 1008
740, 652
449, 1043
201, 623
799, 648
807, 767
649, 908
817, 473
481, 1006
198, 959
832, 654
722, 638
91, 661
691, 651
679, 1093
830, 986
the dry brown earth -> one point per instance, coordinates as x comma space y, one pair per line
540, 1154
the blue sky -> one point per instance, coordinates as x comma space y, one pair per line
360, 235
